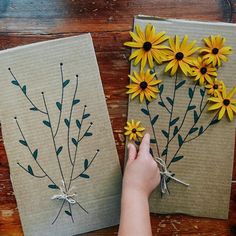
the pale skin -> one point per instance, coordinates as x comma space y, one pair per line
141, 177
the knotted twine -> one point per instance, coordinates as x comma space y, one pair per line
165, 175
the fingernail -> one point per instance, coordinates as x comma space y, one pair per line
128, 145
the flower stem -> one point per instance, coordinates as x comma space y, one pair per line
36, 176
167, 109
59, 212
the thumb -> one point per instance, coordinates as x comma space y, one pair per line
145, 145
132, 153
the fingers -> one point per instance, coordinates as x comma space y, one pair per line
132, 152
145, 145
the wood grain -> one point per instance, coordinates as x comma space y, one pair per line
28, 21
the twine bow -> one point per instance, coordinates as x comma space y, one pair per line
65, 195
165, 175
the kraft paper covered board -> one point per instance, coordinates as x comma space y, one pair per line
205, 163
63, 161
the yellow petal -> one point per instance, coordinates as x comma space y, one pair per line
232, 92
144, 60
140, 32
150, 59
230, 113
215, 106
135, 37
134, 44
221, 113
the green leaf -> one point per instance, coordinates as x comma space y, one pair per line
170, 101
164, 152
190, 93
78, 124
34, 109
47, 123
23, 142
68, 213
15, 82
165, 133
76, 101
194, 129
53, 186
180, 84
74, 141
176, 129
161, 88
200, 130
145, 112
173, 122
86, 116
202, 92
153, 121
180, 140
215, 121
67, 122
86, 163
35, 154
88, 134
177, 158
59, 150
191, 107
24, 89
137, 142
161, 104
65, 83
153, 140
59, 106
30, 170
84, 176
195, 116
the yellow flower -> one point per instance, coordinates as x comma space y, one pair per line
203, 72
180, 55
215, 51
134, 130
224, 103
144, 85
214, 86
148, 46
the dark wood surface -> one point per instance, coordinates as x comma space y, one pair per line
109, 21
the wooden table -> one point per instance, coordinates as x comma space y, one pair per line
109, 21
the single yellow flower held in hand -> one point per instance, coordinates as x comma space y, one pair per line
134, 130
224, 103
215, 51
143, 84
148, 46
214, 86
180, 55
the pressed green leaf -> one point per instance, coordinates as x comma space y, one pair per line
165, 133
170, 101
194, 129
15, 82
177, 158
34, 109
195, 116
88, 134
76, 101
84, 176
35, 154
59, 106
78, 124
47, 123
190, 93
86, 116
59, 150
137, 142
180, 140
161, 88
23, 142
191, 107
74, 141
176, 129
153, 121
65, 83
53, 186
86, 163
164, 152
68, 213
202, 92
161, 104
200, 130
145, 112
30, 170
24, 89
215, 121
67, 122
173, 122
153, 140
180, 84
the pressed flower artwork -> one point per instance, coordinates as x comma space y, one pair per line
187, 104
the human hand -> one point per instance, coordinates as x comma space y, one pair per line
141, 174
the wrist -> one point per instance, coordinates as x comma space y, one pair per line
135, 192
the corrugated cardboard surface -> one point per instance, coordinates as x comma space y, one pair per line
208, 160
38, 67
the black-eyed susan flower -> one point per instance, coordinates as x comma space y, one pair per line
148, 46
143, 84
224, 103
180, 55
134, 130
203, 72
214, 86
215, 51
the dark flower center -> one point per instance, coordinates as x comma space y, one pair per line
215, 51
134, 130
143, 85
215, 86
226, 102
179, 56
203, 70
147, 46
